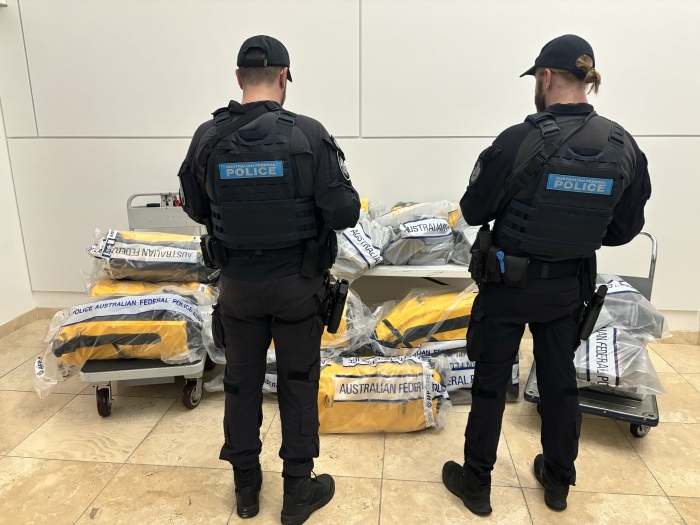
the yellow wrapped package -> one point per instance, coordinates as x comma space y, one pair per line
111, 287
398, 394
425, 316
152, 257
159, 325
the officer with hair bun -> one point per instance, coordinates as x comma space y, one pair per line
558, 186
271, 186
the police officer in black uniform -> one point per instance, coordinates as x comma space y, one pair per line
558, 186
271, 186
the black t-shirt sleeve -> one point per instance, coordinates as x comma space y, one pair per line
628, 216
335, 196
193, 195
488, 178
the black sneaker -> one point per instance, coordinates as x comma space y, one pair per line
476, 496
554, 493
248, 486
305, 495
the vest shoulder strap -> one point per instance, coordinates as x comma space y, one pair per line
225, 125
553, 139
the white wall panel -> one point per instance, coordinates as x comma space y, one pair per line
159, 68
14, 79
450, 67
68, 187
392, 170
16, 296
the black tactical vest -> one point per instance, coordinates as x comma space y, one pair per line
563, 212
260, 182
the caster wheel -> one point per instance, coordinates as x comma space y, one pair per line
209, 364
639, 430
191, 395
539, 409
104, 401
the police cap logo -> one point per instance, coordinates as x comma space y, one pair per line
475, 172
343, 167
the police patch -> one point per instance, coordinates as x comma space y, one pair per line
476, 171
579, 184
343, 167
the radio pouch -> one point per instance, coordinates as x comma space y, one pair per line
516, 271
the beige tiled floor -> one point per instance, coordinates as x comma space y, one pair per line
155, 462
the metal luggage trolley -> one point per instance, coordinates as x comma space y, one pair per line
166, 216
640, 411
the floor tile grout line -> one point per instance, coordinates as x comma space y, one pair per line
121, 466
677, 511
15, 368
150, 431
642, 459
381, 483
691, 384
47, 420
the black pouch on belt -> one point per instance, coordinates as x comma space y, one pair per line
493, 265
516, 271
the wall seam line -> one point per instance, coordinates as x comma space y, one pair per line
19, 215
360, 72
29, 75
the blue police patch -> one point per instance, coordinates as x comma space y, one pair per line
579, 184
251, 170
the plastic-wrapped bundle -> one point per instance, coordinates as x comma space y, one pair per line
627, 309
360, 248
421, 233
355, 326
161, 325
110, 287
398, 394
151, 257
425, 315
465, 236
613, 358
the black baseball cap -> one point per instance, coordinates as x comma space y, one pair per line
275, 53
562, 53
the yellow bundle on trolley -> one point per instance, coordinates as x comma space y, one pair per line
380, 394
425, 316
151, 257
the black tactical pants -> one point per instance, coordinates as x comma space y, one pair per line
249, 316
550, 307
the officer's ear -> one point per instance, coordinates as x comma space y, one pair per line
547, 78
282, 78
238, 78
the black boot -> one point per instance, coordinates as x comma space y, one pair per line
554, 493
476, 495
304, 495
248, 483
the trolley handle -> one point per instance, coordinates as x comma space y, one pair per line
654, 252
136, 195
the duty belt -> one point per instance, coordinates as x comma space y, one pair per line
553, 270
297, 249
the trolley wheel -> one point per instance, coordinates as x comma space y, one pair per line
209, 364
539, 409
639, 430
104, 402
190, 395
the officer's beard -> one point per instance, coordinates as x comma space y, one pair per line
540, 104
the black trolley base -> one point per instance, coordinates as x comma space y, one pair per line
640, 411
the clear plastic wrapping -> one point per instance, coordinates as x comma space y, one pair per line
399, 394
360, 248
627, 309
355, 326
422, 316
421, 233
169, 323
150, 257
464, 236
616, 359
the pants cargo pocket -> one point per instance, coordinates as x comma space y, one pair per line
309, 421
474, 438
217, 329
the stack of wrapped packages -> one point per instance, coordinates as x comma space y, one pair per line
424, 233
150, 297
615, 358
431, 325
360, 392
